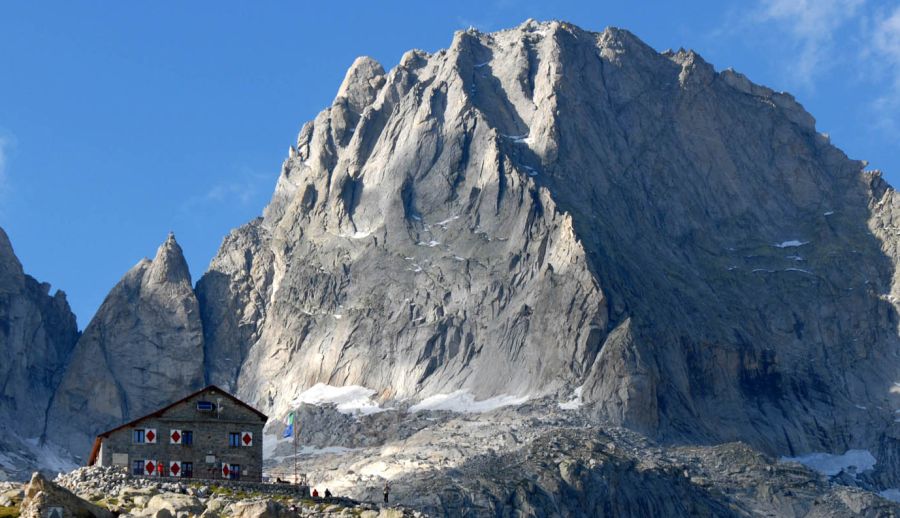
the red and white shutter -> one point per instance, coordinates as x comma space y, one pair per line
150, 436
150, 467
226, 470
246, 438
175, 468
175, 436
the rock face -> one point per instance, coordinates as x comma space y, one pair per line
546, 208
232, 298
142, 350
37, 333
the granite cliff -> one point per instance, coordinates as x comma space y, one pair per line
546, 208
37, 334
142, 350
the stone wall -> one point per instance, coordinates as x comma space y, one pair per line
210, 447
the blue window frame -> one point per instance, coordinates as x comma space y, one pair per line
235, 472
138, 436
137, 467
187, 437
234, 439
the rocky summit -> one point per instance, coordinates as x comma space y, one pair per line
543, 271
141, 351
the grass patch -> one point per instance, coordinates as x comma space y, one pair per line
9, 512
221, 491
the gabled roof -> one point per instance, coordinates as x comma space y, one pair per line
95, 449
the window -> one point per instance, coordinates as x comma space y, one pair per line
137, 467
138, 436
235, 472
234, 439
187, 437
187, 469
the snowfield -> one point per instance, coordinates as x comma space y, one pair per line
464, 402
576, 402
351, 399
791, 243
829, 464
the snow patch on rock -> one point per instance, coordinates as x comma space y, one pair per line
464, 402
852, 461
351, 399
576, 401
791, 243
359, 234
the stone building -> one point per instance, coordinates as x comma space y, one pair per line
209, 434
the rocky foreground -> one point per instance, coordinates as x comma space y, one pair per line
540, 459
513, 461
106, 492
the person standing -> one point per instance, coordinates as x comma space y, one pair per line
387, 491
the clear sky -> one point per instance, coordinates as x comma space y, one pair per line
121, 121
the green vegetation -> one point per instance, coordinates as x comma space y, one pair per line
221, 490
239, 494
9, 512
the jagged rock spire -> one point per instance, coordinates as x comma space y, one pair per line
169, 264
149, 322
362, 81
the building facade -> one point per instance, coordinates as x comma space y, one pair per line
209, 434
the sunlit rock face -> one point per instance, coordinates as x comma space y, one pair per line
141, 351
545, 208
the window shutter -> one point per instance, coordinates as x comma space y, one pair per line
150, 467
225, 470
246, 438
150, 436
175, 436
175, 468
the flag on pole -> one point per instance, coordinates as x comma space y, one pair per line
289, 431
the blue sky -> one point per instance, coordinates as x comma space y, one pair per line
121, 121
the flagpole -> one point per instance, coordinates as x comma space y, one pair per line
294, 424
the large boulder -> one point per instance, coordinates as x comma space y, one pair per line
256, 509
172, 504
44, 499
10, 494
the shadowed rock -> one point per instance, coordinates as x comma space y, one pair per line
37, 334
